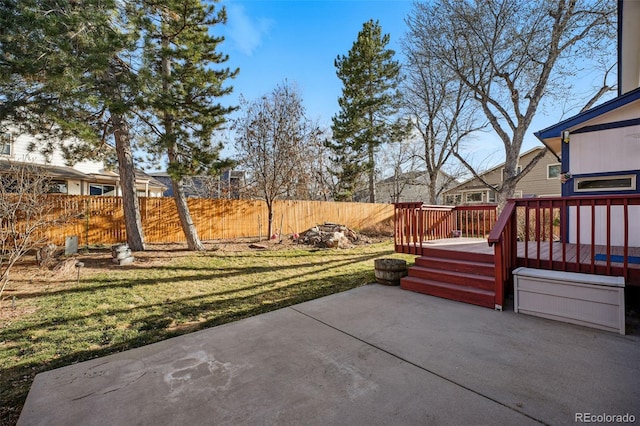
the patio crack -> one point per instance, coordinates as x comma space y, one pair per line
453, 382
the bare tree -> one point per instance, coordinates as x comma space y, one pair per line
319, 182
512, 54
273, 138
400, 161
24, 214
439, 105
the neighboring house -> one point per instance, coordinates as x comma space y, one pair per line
229, 184
411, 186
542, 181
83, 178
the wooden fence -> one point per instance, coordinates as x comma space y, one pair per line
100, 220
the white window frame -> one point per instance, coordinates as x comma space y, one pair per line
467, 193
102, 185
518, 171
631, 187
559, 171
6, 140
457, 198
60, 182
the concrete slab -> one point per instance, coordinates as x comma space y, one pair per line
373, 355
545, 369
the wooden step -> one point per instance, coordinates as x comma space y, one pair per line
457, 255
456, 265
459, 293
462, 279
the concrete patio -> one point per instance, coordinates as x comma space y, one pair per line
372, 355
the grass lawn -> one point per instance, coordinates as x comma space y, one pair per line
112, 309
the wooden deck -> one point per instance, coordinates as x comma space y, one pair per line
545, 255
524, 234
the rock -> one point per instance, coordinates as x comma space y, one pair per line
122, 262
329, 235
118, 248
121, 254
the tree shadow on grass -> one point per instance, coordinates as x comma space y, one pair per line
157, 327
95, 284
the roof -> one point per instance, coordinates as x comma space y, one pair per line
412, 175
499, 166
553, 133
64, 172
52, 171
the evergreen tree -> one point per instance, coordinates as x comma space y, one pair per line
66, 71
368, 106
180, 103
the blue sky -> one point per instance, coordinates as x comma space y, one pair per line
298, 40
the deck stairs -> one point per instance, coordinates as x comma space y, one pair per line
462, 276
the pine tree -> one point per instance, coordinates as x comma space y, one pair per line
180, 104
65, 71
368, 106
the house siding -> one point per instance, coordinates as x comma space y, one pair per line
588, 157
414, 191
535, 183
91, 171
20, 152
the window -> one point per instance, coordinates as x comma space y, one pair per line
553, 171
5, 144
98, 189
473, 197
454, 200
605, 183
57, 187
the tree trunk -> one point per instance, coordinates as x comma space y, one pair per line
509, 182
126, 170
189, 229
433, 188
372, 175
270, 222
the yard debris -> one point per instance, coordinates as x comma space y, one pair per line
331, 235
121, 254
47, 255
65, 269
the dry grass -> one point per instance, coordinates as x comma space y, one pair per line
50, 319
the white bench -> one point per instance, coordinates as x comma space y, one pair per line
591, 300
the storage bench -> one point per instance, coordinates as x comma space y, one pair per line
585, 299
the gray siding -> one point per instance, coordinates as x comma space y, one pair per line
535, 183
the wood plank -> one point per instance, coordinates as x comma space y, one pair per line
478, 297
100, 220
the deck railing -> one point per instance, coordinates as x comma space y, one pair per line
416, 223
588, 234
